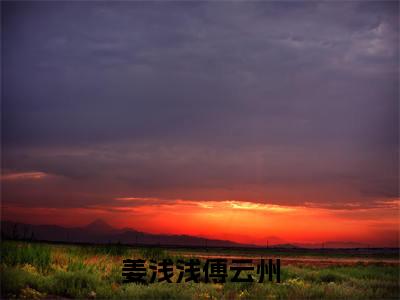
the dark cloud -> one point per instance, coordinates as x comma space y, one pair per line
185, 100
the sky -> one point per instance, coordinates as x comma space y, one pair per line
247, 120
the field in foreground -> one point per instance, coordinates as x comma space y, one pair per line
39, 270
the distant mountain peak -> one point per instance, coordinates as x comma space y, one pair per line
99, 226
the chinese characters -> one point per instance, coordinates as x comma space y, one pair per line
214, 270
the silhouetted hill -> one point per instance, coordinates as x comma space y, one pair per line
333, 244
99, 226
285, 246
101, 232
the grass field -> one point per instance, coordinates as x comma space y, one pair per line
40, 270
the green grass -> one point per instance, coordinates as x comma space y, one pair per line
152, 253
23, 253
92, 250
35, 270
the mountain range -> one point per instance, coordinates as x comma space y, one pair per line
100, 232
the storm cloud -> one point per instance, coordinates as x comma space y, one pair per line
280, 103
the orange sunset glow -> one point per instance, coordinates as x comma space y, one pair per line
239, 221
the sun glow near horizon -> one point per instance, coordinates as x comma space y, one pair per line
239, 221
